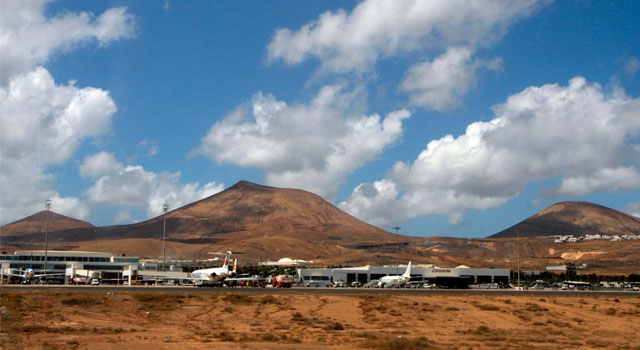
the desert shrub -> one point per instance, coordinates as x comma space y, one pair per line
225, 336
486, 307
228, 309
398, 343
535, 307
335, 326
158, 297
611, 311
482, 330
297, 317
268, 337
237, 298
79, 300
558, 323
270, 299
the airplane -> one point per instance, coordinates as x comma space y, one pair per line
214, 274
396, 281
27, 275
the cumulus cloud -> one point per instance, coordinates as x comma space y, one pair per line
312, 146
136, 188
29, 38
123, 217
99, 164
632, 208
44, 123
618, 179
354, 42
440, 83
632, 66
576, 133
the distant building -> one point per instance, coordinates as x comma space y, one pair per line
285, 262
460, 277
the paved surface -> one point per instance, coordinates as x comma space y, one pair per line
304, 290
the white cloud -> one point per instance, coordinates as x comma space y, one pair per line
123, 217
617, 179
354, 42
99, 164
28, 38
440, 83
632, 208
576, 133
136, 188
44, 123
632, 66
312, 146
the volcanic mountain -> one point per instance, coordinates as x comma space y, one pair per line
574, 218
243, 211
36, 224
251, 210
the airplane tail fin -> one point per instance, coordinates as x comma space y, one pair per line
226, 262
407, 273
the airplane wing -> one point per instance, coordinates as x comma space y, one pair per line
15, 273
48, 274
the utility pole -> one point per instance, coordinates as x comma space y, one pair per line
518, 244
165, 207
397, 248
47, 205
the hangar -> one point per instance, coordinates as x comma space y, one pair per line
455, 277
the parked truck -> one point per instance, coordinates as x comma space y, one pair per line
282, 281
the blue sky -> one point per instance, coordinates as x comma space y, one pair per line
444, 118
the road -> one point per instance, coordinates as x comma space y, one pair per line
304, 290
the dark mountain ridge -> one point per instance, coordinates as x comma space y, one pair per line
574, 218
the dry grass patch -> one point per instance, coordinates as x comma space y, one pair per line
398, 343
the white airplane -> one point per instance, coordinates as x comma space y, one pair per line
29, 274
396, 281
214, 274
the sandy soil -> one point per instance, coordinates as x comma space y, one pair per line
140, 321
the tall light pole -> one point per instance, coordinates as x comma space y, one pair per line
47, 206
518, 243
397, 228
165, 207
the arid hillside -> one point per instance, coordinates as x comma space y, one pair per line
260, 223
574, 218
253, 210
246, 214
36, 224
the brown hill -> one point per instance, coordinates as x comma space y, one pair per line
36, 224
243, 211
574, 218
249, 210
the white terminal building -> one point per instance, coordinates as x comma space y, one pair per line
77, 266
458, 277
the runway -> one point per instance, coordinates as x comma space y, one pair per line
305, 290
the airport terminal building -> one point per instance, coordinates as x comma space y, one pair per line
456, 277
65, 265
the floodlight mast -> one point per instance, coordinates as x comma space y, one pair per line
47, 206
165, 207
397, 228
